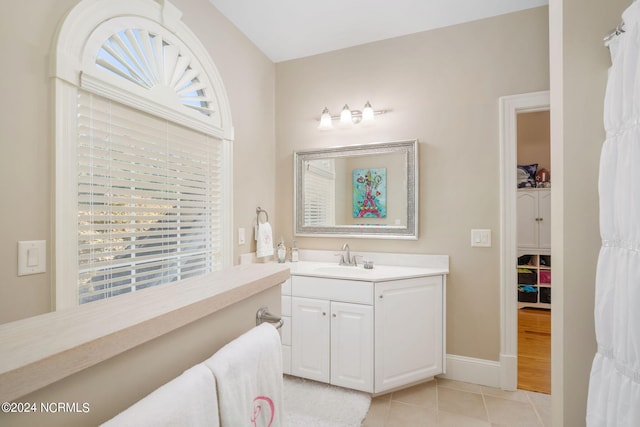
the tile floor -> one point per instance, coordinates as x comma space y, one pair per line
452, 403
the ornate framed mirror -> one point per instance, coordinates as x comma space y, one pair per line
368, 191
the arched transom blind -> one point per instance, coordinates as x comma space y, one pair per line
149, 200
149, 61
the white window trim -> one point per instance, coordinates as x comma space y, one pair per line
73, 68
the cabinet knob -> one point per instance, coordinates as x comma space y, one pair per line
324, 313
381, 296
334, 315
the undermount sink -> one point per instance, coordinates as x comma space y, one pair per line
339, 269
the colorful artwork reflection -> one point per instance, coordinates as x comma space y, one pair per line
370, 193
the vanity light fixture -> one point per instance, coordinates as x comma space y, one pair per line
348, 117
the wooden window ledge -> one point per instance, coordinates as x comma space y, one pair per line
41, 350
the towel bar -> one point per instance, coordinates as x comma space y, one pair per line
263, 315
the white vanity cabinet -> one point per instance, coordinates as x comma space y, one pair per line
310, 338
409, 332
332, 331
330, 342
352, 345
366, 335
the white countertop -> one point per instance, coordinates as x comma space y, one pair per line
379, 273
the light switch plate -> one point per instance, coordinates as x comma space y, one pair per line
32, 257
241, 236
481, 238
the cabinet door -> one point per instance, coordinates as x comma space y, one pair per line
352, 346
310, 338
544, 222
526, 217
285, 333
409, 343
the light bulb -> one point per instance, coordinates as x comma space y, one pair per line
325, 120
345, 117
367, 115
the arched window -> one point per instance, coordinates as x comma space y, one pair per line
142, 152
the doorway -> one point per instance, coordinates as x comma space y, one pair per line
510, 107
533, 240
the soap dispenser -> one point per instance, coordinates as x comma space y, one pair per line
294, 252
282, 251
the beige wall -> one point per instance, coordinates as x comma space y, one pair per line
25, 120
579, 64
534, 139
443, 87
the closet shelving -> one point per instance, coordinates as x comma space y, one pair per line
534, 280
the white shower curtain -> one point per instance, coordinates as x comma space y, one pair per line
614, 388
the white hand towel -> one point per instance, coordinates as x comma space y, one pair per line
265, 240
188, 400
248, 374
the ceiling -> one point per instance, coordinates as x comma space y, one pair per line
289, 29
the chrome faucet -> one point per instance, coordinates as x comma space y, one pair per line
345, 256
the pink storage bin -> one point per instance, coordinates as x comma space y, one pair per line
545, 276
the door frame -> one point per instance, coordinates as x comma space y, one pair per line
510, 107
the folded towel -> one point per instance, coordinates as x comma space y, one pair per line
264, 236
188, 400
249, 380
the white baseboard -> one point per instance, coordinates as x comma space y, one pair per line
471, 370
509, 372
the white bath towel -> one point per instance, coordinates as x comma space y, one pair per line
248, 374
264, 236
188, 400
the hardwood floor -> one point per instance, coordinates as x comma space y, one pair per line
534, 350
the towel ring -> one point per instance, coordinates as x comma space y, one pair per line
259, 210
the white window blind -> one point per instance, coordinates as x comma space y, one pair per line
149, 200
319, 193
148, 60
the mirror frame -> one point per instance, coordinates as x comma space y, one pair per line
410, 231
